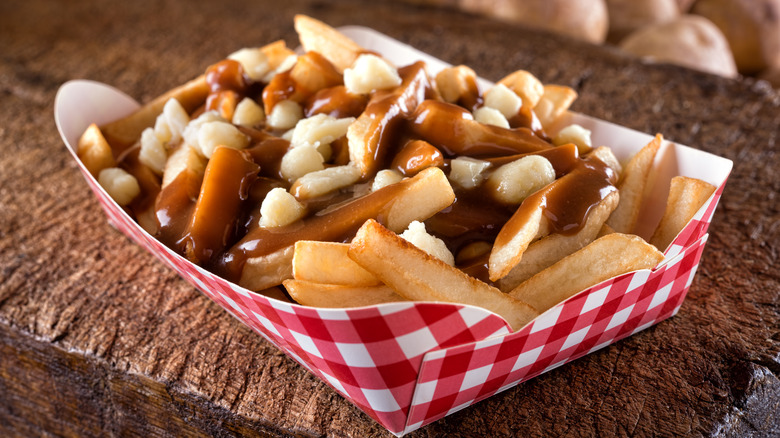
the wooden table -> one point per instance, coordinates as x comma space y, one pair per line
97, 337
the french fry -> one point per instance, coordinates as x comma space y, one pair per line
632, 187
318, 37
277, 53
338, 295
604, 258
312, 72
606, 156
94, 151
548, 250
605, 229
553, 103
686, 196
587, 184
267, 270
458, 85
124, 132
438, 122
328, 263
219, 202
515, 236
184, 157
371, 135
416, 198
416, 275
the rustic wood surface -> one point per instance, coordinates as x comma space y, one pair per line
98, 338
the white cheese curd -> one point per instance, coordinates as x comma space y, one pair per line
417, 236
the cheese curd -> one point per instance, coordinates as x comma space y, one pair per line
525, 85
248, 113
467, 172
190, 134
170, 124
168, 129
574, 134
491, 116
319, 129
152, 152
254, 62
280, 208
504, 100
370, 73
384, 178
417, 236
299, 161
120, 185
324, 181
213, 134
285, 115
513, 182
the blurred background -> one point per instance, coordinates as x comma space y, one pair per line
724, 37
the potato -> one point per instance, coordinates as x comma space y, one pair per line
690, 41
771, 75
752, 28
626, 16
581, 19
685, 5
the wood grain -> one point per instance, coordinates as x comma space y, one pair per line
98, 338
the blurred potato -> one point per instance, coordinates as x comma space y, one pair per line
771, 75
690, 41
582, 19
626, 16
752, 28
685, 5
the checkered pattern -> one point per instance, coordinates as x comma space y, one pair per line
371, 356
409, 364
453, 378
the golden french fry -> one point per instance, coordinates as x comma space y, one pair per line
606, 156
312, 72
632, 187
453, 130
458, 84
372, 134
216, 211
328, 263
276, 52
416, 275
605, 229
554, 102
514, 238
525, 85
548, 250
184, 157
319, 37
686, 196
338, 295
268, 270
270, 260
602, 259
124, 132
94, 151
542, 213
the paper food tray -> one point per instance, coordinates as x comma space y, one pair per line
409, 364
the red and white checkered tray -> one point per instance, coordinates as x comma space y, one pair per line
409, 364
